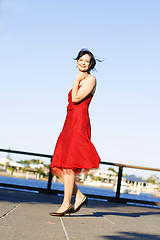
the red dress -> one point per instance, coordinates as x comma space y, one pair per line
74, 150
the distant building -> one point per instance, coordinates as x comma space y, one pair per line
36, 165
6, 161
106, 176
132, 179
135, 185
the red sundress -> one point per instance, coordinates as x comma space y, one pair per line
74, 150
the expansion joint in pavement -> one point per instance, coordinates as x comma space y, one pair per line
11, 210
64, 229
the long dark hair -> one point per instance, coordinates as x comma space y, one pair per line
92, 61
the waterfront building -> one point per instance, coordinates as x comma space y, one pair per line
36, 165
100, 177
136, 185
11, 163
106, 176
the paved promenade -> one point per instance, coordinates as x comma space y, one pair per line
25, 216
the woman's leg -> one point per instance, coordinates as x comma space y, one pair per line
69, 180
76, 192
67, 194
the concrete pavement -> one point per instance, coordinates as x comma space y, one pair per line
25, 216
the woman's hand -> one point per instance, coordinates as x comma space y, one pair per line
81, 76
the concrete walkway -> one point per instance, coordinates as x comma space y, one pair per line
25, 216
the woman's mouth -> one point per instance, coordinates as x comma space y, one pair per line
82, 66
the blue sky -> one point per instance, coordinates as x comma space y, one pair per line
38, 41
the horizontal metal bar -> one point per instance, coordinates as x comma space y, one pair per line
36, 189
26, 153
130, 166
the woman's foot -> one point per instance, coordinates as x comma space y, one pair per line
78, 199
62, 212
63, 208
79, 202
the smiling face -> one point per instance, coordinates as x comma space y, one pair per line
83, 63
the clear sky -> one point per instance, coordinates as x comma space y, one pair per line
38, 41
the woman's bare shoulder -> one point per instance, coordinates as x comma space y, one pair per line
92, 78
92, 81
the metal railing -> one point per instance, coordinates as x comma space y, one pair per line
117, 198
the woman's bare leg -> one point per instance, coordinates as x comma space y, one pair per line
70, 188
69, 180
76, 192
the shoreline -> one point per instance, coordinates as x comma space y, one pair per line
5, 174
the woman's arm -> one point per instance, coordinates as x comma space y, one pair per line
88, 85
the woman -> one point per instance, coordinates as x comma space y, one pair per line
74, 150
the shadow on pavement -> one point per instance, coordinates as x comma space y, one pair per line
122, 214
132, 235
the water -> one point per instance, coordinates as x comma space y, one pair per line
85, 189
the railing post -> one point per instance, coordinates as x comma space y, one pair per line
49, 179
119, 183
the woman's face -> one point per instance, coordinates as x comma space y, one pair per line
83, 63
